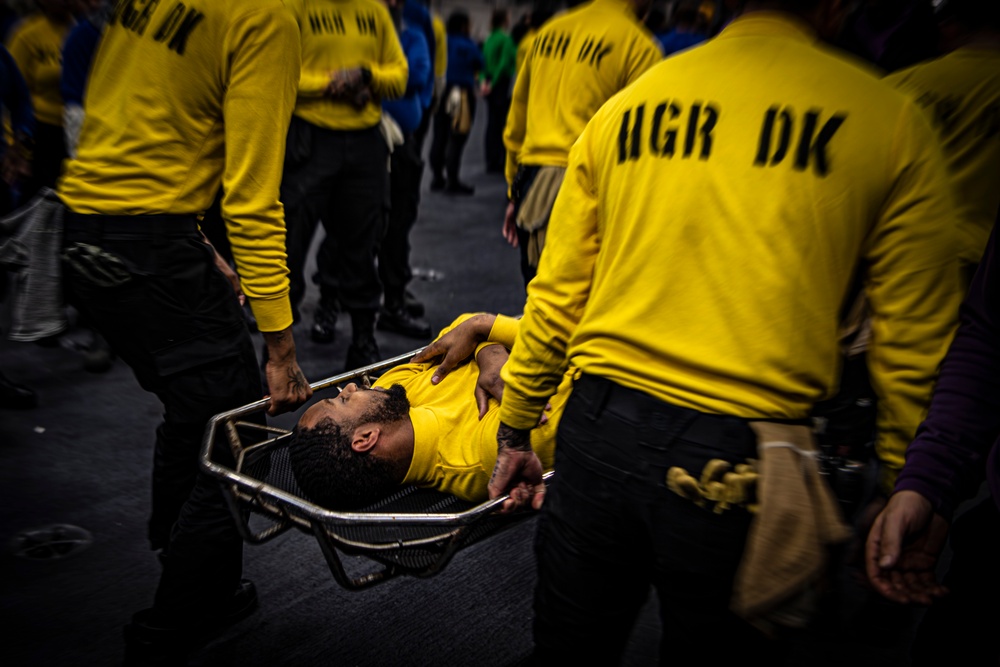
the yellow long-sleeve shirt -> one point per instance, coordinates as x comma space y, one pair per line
184, 97
577, 61
440, 47
36, 47
961, 94
343, 34
453, 450
709, 225
527, 43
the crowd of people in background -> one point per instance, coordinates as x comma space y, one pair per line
345, 149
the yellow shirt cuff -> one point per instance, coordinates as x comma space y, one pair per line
272, 314
504, 330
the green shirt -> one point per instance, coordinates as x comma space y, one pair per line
500, 53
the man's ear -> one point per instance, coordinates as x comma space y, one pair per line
365, 437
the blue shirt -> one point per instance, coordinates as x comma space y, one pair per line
78, 52
416, 16
464, 60
674, 41
408, 110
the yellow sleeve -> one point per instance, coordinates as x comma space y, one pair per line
645, 53
523, 49
440, 47
390, 74
558, 294
313, 84
517, 123
504, 331
264, 63
913, 288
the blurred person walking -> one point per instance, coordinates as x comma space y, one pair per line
15, 161
405, 173
701, 248
457, 110
215, 83
577, 61
500, 58
336, 166
36, 45
960, 92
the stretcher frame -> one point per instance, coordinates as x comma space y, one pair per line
419, 543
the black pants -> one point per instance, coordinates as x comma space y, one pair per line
447, 145
404, 192
420, 134
523, 181
958, 629
339, 177
610, 528
497, 104
173, 318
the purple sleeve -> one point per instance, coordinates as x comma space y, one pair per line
946, 460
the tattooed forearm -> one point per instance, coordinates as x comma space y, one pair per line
513, 438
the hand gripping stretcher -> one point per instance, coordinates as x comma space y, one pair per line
413, 531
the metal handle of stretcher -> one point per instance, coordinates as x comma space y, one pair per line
258, 489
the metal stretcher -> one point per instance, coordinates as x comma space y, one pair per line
413, 531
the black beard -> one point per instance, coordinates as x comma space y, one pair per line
394, 407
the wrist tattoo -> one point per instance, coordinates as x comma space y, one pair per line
513, 438
297, 382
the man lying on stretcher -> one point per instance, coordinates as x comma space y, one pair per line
349, 451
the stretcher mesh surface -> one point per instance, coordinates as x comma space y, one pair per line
381, 542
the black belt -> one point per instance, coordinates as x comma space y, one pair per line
132, 226
603, 395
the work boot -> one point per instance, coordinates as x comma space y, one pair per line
324, 326
412, 304
362, 353
400, 321
460, 188
363, 350
99, 357
157, 642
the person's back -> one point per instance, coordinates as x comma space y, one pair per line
577, 61
961, 92
328, 45
183, 98
740, 184
175, 65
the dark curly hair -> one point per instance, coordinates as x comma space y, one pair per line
329, 471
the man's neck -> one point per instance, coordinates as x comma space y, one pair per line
399, 439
